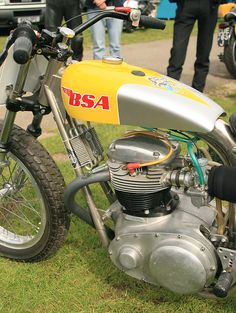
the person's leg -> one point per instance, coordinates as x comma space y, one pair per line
72, 9
184, 22
98, 37
114, 28
206, 24
54, 15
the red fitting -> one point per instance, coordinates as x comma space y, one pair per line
122, 9
131, 167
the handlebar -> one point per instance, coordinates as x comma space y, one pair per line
22, 50
25, 38
151, 22
121, 13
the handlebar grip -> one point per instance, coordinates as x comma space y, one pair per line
24, 40
22, 50
151, 22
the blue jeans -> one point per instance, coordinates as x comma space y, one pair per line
98, 30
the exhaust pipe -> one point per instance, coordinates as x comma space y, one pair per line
76, 185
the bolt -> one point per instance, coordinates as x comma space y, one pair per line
213, 239
156, 154
202, 249
135, 236
117, 238
157, 235
212, 269
179, 236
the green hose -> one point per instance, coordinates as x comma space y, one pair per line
194, 160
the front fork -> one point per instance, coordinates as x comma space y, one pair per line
10, 116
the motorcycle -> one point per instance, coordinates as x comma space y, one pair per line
166, 222
227, 40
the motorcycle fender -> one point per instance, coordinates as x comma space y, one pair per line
9, 72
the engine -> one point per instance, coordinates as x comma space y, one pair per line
144, 168
140, 190
161, 212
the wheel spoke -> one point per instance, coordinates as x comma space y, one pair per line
22, 211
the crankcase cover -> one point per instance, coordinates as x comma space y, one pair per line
177, 262
182, 266
119, 93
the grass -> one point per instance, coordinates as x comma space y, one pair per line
81, 278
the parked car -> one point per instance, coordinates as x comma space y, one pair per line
15, 11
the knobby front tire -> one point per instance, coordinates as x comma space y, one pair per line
33, 218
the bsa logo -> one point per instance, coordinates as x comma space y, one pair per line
87, 100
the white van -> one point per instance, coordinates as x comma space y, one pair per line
13, 12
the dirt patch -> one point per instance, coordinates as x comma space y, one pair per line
223, 91
61, 157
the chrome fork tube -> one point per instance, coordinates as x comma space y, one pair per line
92, 207
9, 118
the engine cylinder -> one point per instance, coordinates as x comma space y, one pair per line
142, 193
152, 204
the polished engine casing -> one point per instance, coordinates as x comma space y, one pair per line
165, 249
168, 251
118, 93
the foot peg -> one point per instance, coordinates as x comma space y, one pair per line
223, 284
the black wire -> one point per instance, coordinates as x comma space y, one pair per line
181, 133
187, 136
83, 14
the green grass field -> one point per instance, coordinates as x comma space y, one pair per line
81, 277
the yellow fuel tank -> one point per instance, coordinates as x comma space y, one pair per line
113, 92
89, 88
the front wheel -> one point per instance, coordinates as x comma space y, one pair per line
33, 219
230, 56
